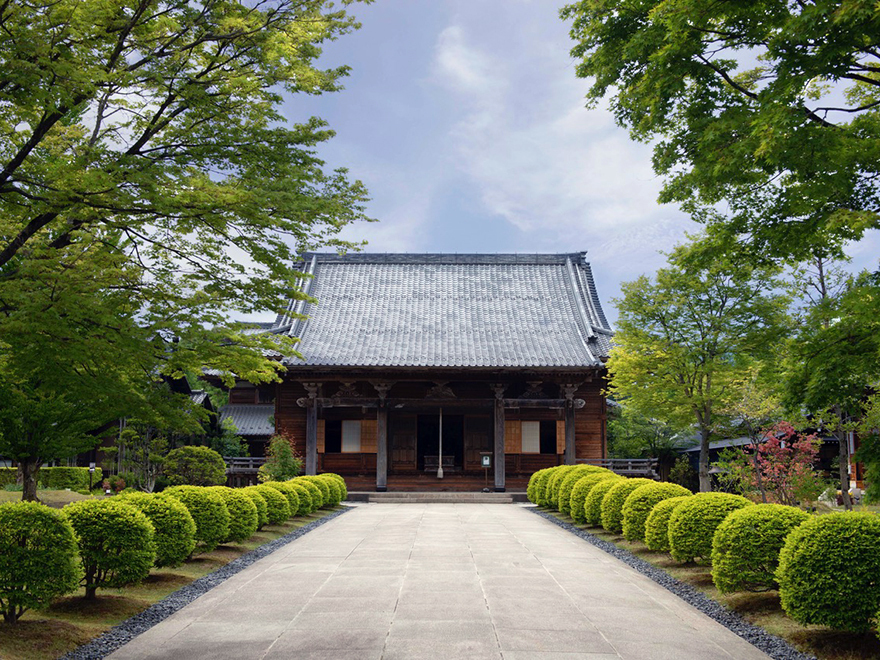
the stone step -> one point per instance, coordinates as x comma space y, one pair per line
439, 498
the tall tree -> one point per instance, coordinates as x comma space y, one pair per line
687, 337
150, 188
765, 115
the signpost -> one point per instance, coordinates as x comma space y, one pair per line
440, 457
486, 464
91, 472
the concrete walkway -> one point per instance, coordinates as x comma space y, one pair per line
439, 581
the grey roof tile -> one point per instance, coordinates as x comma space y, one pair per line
442, 310
250, 419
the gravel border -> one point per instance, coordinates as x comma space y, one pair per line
776, 647
124, 632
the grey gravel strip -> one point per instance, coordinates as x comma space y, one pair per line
123, 633
774, 646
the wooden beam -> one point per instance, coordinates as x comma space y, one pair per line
382, 449
365, 402
499, 457
312, 437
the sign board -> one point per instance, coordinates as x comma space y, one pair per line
91, 467
487, 460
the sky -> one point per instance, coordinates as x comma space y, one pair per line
466, 122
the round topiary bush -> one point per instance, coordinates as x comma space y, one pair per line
657, 524
38, 559
555, 482
209, 512
286, 489
335, 490
259, 502
277, 507
746, 546
563, 498
612, 503
593, 501
828, 571
541, 487
174, 527
531, 489
194, 466
321, 484
316, 493
581, 489
243, 516
640, 503
305, 498
693, 523
115, 543
342, 485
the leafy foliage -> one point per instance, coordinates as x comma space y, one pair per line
770, 107
37, 558
746, 546
593, 501
615, 498
828, 571
532, 487
641, 501
115, 543
208, 510
289, 492
277, 506
692, 523
175, 529
319, 490
243, 516
260, 504
281, 463
194, 466
563, 498
657, 524
304, 497
581, 491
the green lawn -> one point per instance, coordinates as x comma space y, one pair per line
71, 621
53, 498
761, 609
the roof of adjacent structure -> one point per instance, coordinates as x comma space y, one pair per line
250, 419
449, 310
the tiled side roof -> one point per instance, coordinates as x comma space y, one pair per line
250, 419
441, 310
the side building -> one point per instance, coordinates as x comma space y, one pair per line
449, 372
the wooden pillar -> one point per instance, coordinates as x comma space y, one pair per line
500, 467
382, 448
311, 428
568, 390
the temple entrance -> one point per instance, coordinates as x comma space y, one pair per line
428, 442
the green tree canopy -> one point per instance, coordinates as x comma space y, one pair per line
687, 338
771, 107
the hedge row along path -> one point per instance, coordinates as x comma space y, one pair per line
439, 581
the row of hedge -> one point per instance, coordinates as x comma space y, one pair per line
113, 542
824, 566
57, 478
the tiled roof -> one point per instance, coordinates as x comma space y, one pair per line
250, 419
442, 310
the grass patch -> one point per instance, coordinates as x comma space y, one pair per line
54, 498
760, 609
72, 621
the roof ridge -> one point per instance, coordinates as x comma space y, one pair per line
477, 258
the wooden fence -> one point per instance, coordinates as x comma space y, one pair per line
627, 467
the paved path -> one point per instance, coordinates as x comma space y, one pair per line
439, 581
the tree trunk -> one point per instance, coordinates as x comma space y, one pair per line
91, 589
705, 480
844, 468
28, 470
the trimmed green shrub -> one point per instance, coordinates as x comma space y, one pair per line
8, 476
305, 498
342, 485
657, 524
555, 482
259, 502
693, 523
316, 493
281, 463
194, 466
541, 487
243, 517
286, 489
115, 542
593, 501
277, 507
531, 489
325, 489
640, 502
581, 489
612, 503
746, 546
828, 571
209, 512
175, 529
335, 490
74, 478
38, 559
563, 499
